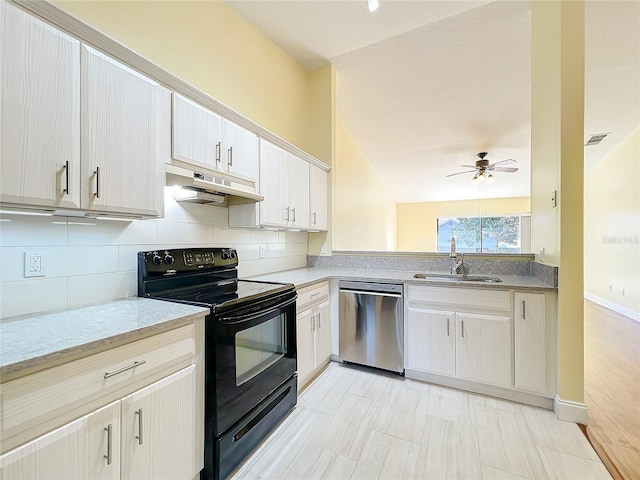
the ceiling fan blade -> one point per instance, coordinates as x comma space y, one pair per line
471, 166
504, 169
460, 173
501, 162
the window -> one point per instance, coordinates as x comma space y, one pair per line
481, 234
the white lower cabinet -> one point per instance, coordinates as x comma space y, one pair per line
87, 448
492, 341
313, 331
463, 345
483, 349
146, 435
534, 350
135, 411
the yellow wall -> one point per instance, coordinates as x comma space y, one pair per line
557, 163
364, 216
417, 222
211, 47
612, 226
322, 89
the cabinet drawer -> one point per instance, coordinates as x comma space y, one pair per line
312, 295
45, 400
460, 299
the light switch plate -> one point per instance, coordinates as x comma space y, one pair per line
34, 264
554, 198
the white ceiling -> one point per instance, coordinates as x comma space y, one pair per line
422, 86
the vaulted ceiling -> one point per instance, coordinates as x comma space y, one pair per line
422, 86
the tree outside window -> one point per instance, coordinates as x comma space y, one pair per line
480, 234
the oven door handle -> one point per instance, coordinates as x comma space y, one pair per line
233, 319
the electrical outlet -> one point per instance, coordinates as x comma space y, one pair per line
554, 198
541, 254
261, 251
323, 250
611, 288
622, 292
34, 264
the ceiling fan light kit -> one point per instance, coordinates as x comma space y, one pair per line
482, 169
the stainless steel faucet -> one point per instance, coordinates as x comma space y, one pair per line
458, 267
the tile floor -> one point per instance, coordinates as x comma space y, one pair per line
351, 423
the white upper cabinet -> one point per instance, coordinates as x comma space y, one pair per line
39, 112
197, 134
318, 198
202, 138
298, 187
125, 137
240, 151
274, 209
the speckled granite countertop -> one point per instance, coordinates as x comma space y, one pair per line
306, 276
29, 341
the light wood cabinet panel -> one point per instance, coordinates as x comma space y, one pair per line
305, 344
158, 429
530, 342
298, 187
274, 209
39, 112
75, 451
323, 333
431, 341
122, 167
240, 154
197, 134
483, 349
318, 198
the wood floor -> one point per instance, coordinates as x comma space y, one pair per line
351, 423
612, 388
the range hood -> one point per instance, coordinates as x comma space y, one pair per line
210, 187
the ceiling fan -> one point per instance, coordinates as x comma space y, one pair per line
483, 169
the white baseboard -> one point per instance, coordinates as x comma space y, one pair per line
569, 411
627, 312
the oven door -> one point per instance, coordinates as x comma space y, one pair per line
255, 353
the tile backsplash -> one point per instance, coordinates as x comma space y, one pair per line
90, 261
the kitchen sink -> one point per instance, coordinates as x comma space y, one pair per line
457, 278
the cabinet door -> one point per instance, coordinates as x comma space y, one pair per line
298, 183
122, 162
483, 348
305, 344
240, 150
40, 112
323, 333
159, 429
197, 134
530, 342
85, 448
431, 344
318, 196
274, 209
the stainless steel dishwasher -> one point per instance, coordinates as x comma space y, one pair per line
371, 325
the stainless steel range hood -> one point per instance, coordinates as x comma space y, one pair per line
208, 186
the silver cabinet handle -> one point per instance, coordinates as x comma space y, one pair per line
293, 213
462, 323
230, 156
108, 456
319, 324
447, 327
217, 152
67, 189
286, 218
524, 315
124, 369
97, 174
314, 295
313, 323
139, 436
315, 218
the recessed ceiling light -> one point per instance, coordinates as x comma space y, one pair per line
373, 5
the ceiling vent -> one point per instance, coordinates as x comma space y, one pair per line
596, 139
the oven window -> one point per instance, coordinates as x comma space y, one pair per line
259, 347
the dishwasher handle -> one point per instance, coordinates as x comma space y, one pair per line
367, 292
367, 287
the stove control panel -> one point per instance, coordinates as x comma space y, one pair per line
173, 261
